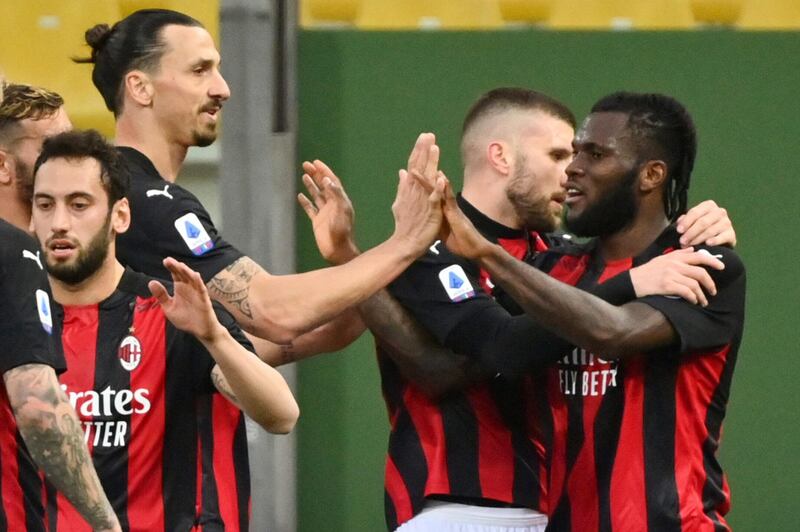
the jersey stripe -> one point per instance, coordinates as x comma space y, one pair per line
79, 339
399, 506
427, 420
13, 508
226, 418
145, 455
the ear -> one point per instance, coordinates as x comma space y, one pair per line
120, 216
652, 176
499, 156
8, 170
139, 87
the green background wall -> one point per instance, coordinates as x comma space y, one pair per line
365, 96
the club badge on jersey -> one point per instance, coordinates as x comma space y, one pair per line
194, 234
130, 352
456, 283
45, 314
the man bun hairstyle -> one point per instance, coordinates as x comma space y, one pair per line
134, 43
663, 129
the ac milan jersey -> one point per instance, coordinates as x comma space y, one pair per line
136, 383
472, 446
26, 337
169, 221
635, 439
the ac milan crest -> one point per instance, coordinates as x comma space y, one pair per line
130, 352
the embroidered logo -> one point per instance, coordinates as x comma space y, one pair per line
130, 352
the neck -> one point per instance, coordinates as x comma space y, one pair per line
14, 211
166, 155
634, 239
487, 194
97, 287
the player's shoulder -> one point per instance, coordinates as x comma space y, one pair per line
18, 248
734, 266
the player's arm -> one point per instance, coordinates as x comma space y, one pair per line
432, 367
54, 438
258, 389
573, 314
329, 337
279, 308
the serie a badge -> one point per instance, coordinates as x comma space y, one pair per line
130, 351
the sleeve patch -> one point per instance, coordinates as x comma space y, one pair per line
45, 314
194, 234
456, 283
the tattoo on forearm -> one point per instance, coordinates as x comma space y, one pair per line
54, 439
222, 386
232, 285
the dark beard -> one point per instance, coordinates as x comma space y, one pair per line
89, 260
611, 213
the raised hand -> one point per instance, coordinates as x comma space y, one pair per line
417, 208
189, 308
706, 223
681, 273
330, 211
458, 233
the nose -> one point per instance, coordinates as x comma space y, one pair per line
219, 87
573, 169
60, 222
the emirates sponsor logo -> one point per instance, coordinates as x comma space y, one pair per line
109, 404
585, 374
130, 352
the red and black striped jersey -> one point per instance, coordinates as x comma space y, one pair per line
26, 337
169, 221
635, 439
473, 446
136, 383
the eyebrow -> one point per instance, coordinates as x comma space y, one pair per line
205, 63
71, 196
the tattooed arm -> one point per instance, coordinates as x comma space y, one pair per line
329, 337
280, 308
255, 387
54, 438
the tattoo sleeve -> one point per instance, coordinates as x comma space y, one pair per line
232, 285
54, 438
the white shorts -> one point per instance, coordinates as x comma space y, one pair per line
440, 516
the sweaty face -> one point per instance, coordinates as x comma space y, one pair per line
189, 89
603, 176
27, 146
536, 186
71, 218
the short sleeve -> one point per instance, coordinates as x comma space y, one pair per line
175, 226
719, 323
441, 290
28, 332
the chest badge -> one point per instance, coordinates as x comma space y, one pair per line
130, 351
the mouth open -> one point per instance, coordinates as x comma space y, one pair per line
61, 248
573, 195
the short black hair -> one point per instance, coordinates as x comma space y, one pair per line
87, 144
134, 43
663, 129
503, 98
